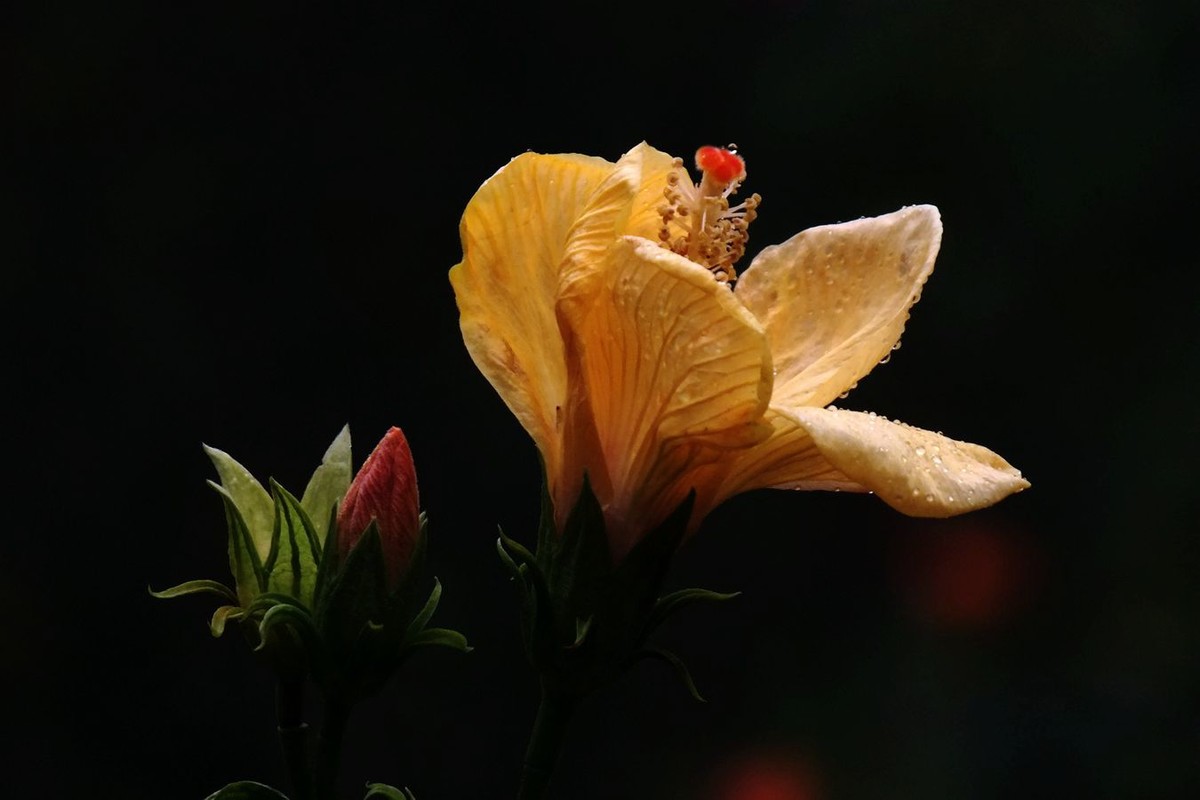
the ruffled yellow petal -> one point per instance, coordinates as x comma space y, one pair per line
673, 369
789, 459
514, 234
917, 472
834, 299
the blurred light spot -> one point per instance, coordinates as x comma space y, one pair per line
965, 574
770, 775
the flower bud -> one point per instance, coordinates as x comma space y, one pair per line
384, 490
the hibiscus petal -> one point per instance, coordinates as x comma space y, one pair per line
789, 459
834, 299
656, 167
514, 234
917, 472
671, 362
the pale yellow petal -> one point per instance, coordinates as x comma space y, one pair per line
514, 235
674, 369
834, 299
656, 167
789, 459
915, 471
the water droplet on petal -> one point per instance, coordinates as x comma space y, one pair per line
921, 451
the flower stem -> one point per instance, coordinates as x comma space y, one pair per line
293, 736
329, 747
554, 712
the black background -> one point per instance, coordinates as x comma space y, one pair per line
232, 225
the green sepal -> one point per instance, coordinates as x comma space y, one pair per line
295, 553
536, 628
248, 495
328, 484
677, 664
248, 574
222, 616
357, 594
584, 619
287, 640
675, 601
246, 790
327, 567
388, 792
195, 587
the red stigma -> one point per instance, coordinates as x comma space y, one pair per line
720, 164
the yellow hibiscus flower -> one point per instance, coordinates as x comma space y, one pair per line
602, 303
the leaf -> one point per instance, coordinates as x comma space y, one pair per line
389, 792
255, 505
328, 484
246, 790
195, 587
677, 664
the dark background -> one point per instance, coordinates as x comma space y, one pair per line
233, 225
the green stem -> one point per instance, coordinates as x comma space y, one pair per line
554, 712
329, 747
293, 736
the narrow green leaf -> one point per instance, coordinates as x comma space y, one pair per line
221, 616
677, 664
246, 790
296, 618
582, 626
507, 559
388, 792
675, 601
268, 600
195, 587
519, 550
443, 637
258, 511
422, 618
328, 483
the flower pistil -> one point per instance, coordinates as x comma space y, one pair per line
697, 220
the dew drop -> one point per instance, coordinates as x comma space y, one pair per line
896, 346
921, 451
886, 359
928, 498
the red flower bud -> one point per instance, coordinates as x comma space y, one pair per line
384, 490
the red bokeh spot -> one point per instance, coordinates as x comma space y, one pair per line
767, 776
969, 577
